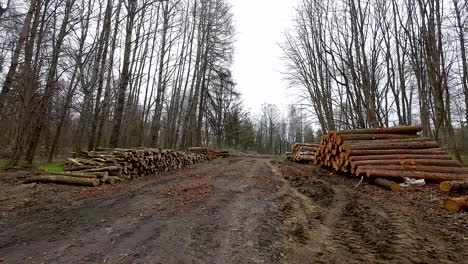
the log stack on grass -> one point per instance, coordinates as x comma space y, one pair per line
109, 166
388, 153
302, 152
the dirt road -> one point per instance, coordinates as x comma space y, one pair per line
239, 210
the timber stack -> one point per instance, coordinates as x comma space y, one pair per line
389, 153
221, 154
302, 152
208, 152
109, 166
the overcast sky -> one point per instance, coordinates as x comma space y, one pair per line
260, 26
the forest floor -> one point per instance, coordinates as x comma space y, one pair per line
237, 210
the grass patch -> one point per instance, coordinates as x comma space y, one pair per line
3, 164
217, 161
51, 167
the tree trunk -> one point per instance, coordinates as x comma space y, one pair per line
16, 54
125, 76
44, 106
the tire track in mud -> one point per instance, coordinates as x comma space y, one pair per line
329, 222
224, 211
309, 228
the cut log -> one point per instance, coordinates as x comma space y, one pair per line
386, 184
456, 204
347, 137
384, 146
410, 162
82, 175
454, 186
432, 151
78, 168
112, 180
111, 170
390, 130
65, 180
401, 156
386, 141
456, 170
412, 174
87, 162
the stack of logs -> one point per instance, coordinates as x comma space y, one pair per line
209, 152
302, 152
391, 153
221, 154
108, 166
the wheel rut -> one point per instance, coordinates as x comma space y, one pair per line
329, 221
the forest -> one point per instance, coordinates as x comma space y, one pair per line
233, 131
383, 63
80, 74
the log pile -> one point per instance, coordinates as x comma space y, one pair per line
109, 166
221, 154
388, 153
302, 152
208, 152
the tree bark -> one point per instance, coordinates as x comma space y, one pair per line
44, 106
125, 76
91, 182
410, 162
400, 156
422, 168
16, 54
413, 174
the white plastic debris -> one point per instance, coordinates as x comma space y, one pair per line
412, 182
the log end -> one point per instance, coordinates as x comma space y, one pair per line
395, 187
452, 206
445, 186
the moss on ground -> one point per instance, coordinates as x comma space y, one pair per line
51, 167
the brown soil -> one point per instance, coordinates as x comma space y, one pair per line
209, 213
331, 221
239, 210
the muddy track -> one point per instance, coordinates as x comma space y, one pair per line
349, 226
239, 210
206, 214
